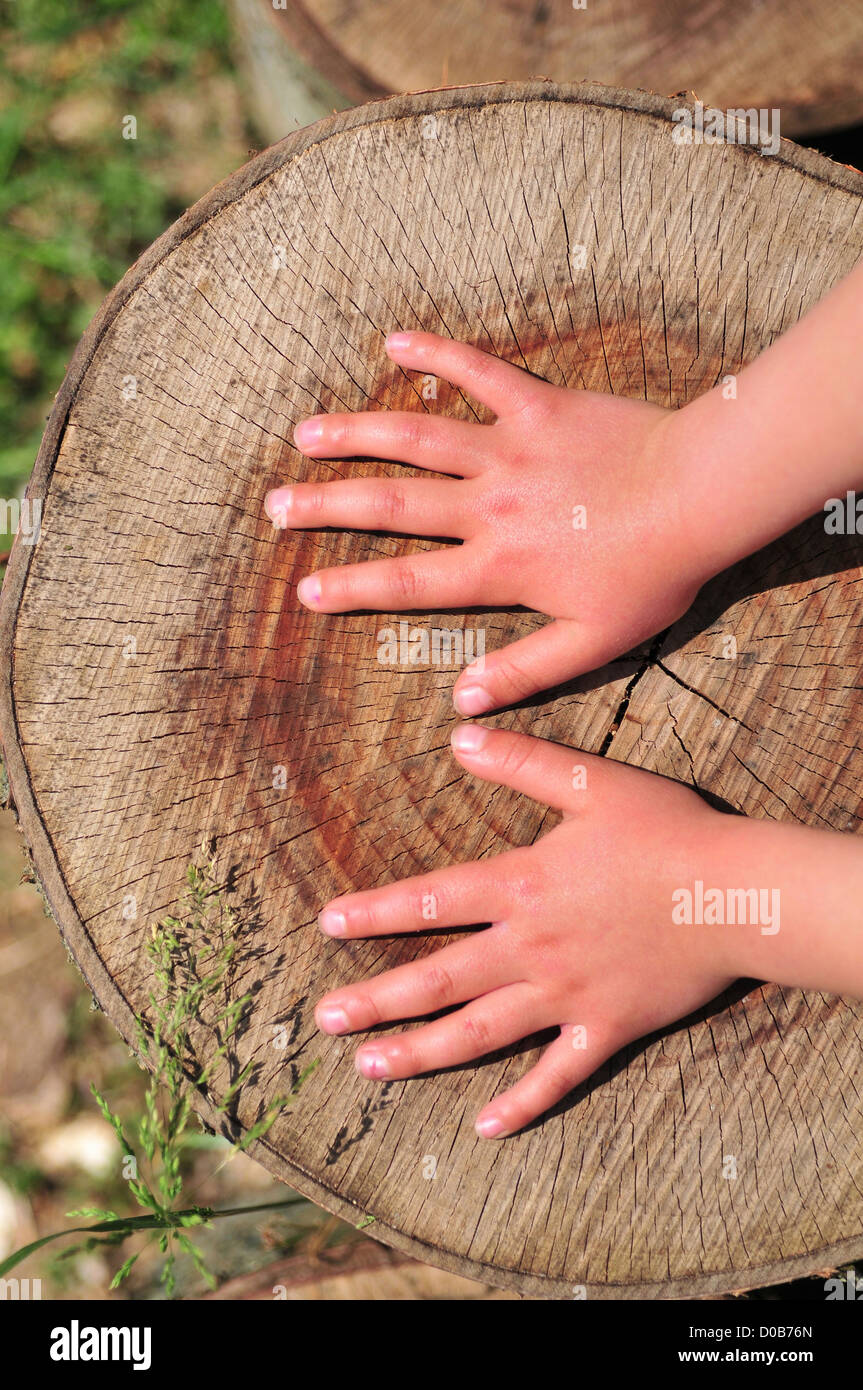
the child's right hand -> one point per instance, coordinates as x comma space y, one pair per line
581, 936
553, 459
589, 929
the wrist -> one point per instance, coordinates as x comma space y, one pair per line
717, 904
789, 900
749, 926
700, 541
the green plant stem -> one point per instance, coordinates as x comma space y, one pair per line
127, 1226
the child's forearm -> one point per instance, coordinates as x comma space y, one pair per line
814, 878
762, 461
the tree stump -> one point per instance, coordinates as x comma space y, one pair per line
798, 55
160, 671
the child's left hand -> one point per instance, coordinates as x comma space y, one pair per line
582, 935
572, 504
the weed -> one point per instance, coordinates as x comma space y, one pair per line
193, 956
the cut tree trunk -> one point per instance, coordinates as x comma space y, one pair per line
800, 56
160, 671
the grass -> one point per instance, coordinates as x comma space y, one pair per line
193, 1008
78, 202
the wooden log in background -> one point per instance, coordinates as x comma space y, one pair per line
458, 211
307, 57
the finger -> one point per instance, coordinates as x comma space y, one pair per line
455, 897
564, 1064
505, 389
549, 772
410, 506
458, 972
537, 662
433, 580
496, 1020
405, 436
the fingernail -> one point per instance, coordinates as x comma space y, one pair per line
308, 432
396, 342
276, 504
309, 590
374, 1065
488, 1128
332, 1019
469, 738
472, 699
332, 922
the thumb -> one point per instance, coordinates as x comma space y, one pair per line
555, 653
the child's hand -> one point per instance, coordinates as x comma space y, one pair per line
568, 504
582, 935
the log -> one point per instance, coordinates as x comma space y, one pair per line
800, 56
563, 229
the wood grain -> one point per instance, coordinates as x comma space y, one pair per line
801, 56
269, 300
